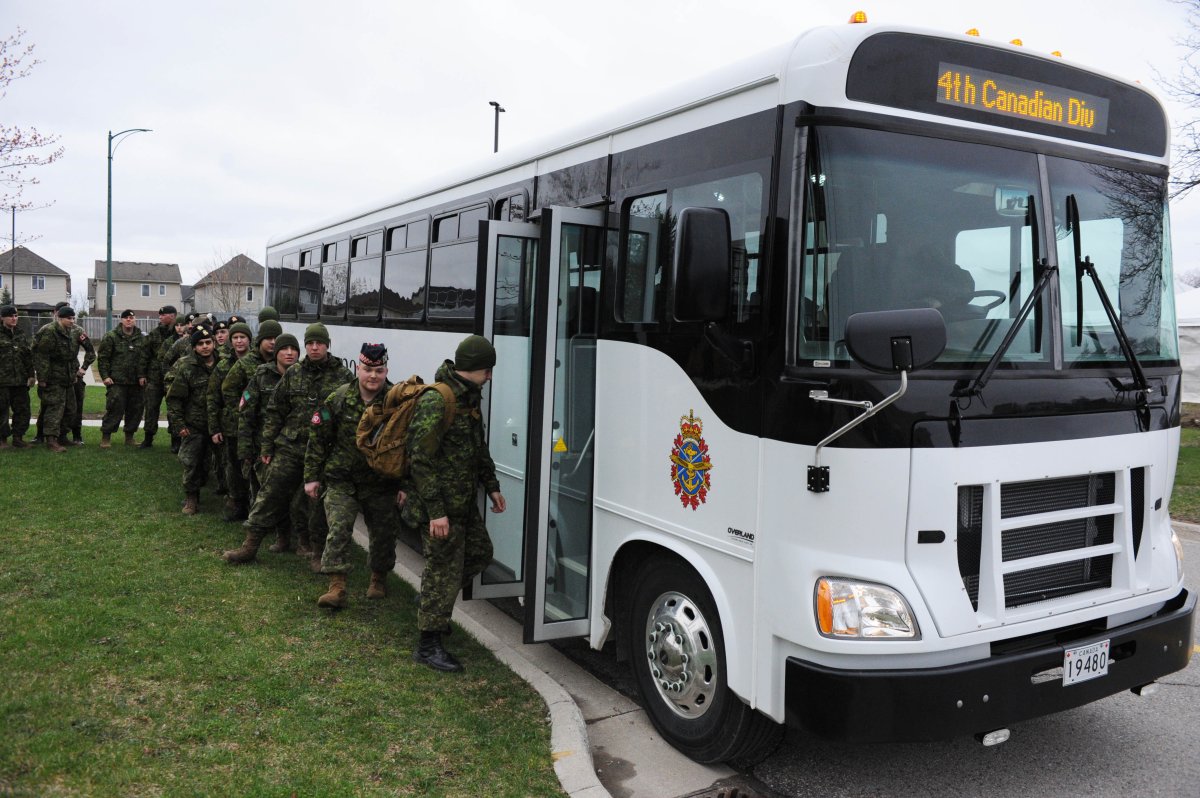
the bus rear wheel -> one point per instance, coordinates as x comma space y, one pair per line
678, 654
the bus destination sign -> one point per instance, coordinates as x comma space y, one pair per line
992, 92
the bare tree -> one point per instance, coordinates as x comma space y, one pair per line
20, 148
1191, 278
225, 287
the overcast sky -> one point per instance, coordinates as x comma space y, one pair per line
267, 115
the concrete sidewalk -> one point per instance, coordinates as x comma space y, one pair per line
601, 742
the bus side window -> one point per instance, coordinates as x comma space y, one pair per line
641, 283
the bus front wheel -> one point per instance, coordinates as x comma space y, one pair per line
678, 654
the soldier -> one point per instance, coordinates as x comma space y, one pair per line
235, 397
56, 361
222, 420
187, 415
16, 377
447, 470
169, 354
252, 408
222, 351
285, 436
334, 467
122, 364
154, 383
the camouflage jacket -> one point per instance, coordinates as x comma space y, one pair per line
448, 469
56, 353
122, 357
253, 406
187, 398
295, 400
216, 400
232, 386
16, 356
171, 353
150, 349
332, 454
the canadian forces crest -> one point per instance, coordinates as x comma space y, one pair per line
691, 466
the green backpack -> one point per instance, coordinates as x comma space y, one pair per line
383, 429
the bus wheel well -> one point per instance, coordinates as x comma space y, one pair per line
620, 581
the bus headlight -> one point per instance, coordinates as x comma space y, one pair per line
1178, 544
861, 610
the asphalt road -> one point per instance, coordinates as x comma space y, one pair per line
1121, 746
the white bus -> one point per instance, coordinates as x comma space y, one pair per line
840, 388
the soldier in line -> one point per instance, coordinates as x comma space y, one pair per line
447, 470
336, 471
284, 438
56, 361
154, 383
170, 353
234, 394
122, 364
222, 419
77, 392
252, 409
16, 377
187, 414
223, 351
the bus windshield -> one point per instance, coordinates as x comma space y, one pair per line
897, 221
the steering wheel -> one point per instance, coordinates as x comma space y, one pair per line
998, 297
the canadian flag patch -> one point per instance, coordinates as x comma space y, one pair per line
316, 419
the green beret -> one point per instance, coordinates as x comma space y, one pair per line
474, 354
316, 332
286, 340
268, 313
241, 327
269, 329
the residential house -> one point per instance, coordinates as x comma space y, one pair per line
33, 283
236, 287
141, 287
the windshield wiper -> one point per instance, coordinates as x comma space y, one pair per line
1039, 288
1084, 265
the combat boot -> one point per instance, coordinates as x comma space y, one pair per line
378, 587
19, 443
431, 652
53, 445
129, 439
191, 505
3, 443
77, 440
283, 541
303, 546
314, 563
147, 442
105, 440
234, 510
335, 597
39, 439
248, 552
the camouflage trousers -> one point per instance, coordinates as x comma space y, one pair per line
281, 494
77, 426
153, 402
123, 402
14, 400
235, 482
218, 466
195, 452
58, 413
450, 564
343, 502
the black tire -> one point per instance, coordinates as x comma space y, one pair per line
678, 654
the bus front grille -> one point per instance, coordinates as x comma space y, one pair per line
1042, 524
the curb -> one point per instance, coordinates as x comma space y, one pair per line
568, 731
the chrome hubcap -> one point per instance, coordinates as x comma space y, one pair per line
681, 655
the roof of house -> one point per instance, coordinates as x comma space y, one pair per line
130, 271
28, 262
238, 269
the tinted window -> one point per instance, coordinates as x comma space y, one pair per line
468, 221
404, 285
363, 299
452, 282
445, 229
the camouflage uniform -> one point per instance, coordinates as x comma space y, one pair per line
252, 407
446, 473
350, 485
187, 408
16, 368
122, 358
224, 396
284, 437
56, 360
154, 381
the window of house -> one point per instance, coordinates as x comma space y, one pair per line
162, 290
38, 282
249, 293
145, 289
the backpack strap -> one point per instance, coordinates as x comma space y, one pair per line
451, 404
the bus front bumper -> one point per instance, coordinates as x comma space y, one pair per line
981, 696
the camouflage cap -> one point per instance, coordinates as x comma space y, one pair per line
316, 332
474, 354
240, 327
285, 341
267, 313
269, 329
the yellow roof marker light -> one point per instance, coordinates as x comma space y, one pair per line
858, 17
1056, 53
973, 32
1017, 42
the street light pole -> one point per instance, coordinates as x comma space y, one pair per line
108, 275
12, 283
499, 110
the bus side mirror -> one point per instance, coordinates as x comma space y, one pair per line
703, 265
896, 340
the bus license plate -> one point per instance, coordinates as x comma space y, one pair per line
1085, 662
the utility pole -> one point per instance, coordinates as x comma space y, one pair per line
499, 110
111, 138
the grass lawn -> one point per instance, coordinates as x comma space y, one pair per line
136, 663
93, 402
1185, 498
